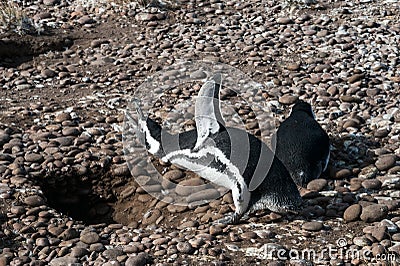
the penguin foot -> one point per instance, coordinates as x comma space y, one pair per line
232, 218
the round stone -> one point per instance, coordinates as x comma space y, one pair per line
78, 252
203, 195
317, 184
380, 232
138, 260
184, 247
34, 158
362, 241
371, 184
374, 213
90, 238
288, 99
34, 201
385, 162
352, 213
173, 175
343, 174
312, 226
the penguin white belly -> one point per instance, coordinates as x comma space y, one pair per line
210, 163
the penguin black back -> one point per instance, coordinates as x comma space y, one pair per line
302, 145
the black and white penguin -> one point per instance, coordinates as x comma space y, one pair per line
302, 144
226, 156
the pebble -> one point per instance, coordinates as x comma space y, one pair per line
140, 259
34, 158
352, 213
385, 162
343, 174
203, 195
78, 252
51, 2
173, 175
288, 99
34, 201
312, 226
189, 186
47, 73
62, 261
380, 232
69, 233
371, 184
317, 184
90, 238
184, 247
284, 20
374, 213
362, 241
112, 254
356, 77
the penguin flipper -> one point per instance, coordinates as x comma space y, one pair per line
208, 116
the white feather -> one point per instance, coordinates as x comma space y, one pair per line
206, 121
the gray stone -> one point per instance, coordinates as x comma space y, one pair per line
312, 226
374, 213
34, 201
90, 238
139, 260
63, 261
385, 162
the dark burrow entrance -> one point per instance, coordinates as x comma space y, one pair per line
86, 199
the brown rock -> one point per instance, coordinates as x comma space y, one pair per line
284, 20
293, 66
380, 232
371, 184
249, 235
90, 238
288, 99
33, 158
34, 201
173, 175
317, 184
184, 247
352, 213
203, 195
374, 213
343, 174
312, 226
68, 234
356, 77
385, 162
138, 260
189, 186
48, 73
215, 230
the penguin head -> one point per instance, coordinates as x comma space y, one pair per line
302, 106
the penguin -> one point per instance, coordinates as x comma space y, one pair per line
302, 144
227, 156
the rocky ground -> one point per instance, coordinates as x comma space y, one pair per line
67, 194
